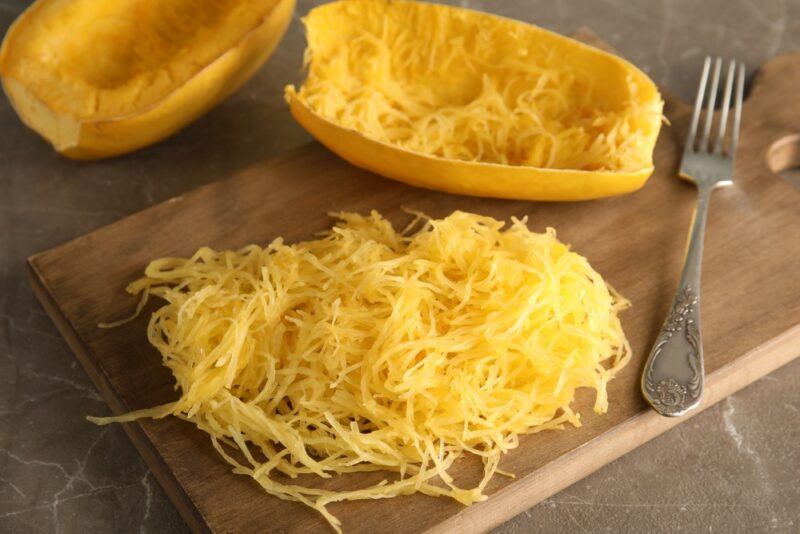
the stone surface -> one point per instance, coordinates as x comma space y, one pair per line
733, 468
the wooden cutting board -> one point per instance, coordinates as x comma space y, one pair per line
750, 307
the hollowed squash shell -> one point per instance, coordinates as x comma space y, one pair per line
98, 78
466, 102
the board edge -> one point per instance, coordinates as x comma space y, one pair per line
311, 147
153, 459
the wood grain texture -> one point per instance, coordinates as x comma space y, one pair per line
750, 307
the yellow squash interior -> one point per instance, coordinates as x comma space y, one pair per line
67, 61
458, 84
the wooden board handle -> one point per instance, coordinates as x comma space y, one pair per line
771, 121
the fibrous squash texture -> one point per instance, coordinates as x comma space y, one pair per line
368, 349
461, 85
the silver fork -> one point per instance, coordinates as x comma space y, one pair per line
672, 381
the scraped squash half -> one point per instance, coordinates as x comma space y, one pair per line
471, 103
100, 78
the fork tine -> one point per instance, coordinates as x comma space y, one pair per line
698, 104
726, 104
712, 99
737, 112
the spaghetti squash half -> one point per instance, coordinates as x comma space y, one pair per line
98, 78
471, 103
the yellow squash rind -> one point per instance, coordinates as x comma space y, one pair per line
465, 177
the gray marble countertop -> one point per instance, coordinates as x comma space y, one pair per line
733, 468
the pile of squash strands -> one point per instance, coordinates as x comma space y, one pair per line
368, 349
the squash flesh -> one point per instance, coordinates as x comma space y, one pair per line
462, 86
70, 65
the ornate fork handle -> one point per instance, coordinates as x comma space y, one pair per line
672, 381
